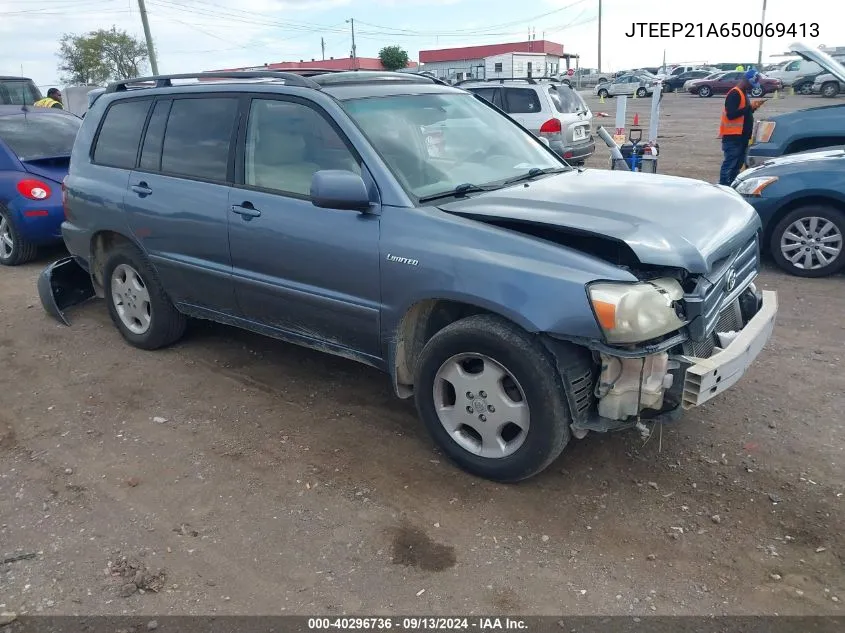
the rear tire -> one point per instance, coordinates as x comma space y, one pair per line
604, 94
501, 414
705, 91
758, 91
804, 89
642, 92
137, 302
14, 249
788, 241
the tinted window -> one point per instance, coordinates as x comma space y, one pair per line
198, 137
489, 94
117, 143
566, 100
522, 100
18, 92
286, 143
151, 152
39, 135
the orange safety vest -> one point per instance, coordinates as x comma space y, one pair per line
733, 127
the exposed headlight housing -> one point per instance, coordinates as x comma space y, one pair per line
754, 186
763, 131
632, 313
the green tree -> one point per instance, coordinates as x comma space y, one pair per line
393, 57
99, 56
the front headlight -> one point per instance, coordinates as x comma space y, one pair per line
754, 186
763, 131
631, 313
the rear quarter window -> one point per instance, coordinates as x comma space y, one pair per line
37, 136
120, 134
18, 92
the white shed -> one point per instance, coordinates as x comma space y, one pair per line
515, 65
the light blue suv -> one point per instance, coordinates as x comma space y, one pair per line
414, 227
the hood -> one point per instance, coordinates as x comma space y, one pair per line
664, 220
813, 156
821, 58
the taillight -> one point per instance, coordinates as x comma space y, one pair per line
552, 126
33, 189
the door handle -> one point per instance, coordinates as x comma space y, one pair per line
246, 211
141, 189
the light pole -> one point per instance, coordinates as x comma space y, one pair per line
150, 48
351, 23
599, 36
760, 50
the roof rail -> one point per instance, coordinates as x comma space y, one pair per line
357, 77
165, 81
501, 80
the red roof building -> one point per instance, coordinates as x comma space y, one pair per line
340, 63
480, 52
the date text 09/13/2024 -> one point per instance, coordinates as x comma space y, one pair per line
725, 29
418, 623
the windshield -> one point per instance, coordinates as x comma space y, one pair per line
34, 136
435, 143
18, 92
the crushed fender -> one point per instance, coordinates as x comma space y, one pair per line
63, 284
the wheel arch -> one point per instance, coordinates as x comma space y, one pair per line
814, 142
101, 243
817, 198
422, 320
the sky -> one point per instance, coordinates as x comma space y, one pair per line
194, 35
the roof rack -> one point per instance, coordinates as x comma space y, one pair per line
165, 81
355, 77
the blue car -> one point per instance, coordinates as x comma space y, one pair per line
801, 202
35, 145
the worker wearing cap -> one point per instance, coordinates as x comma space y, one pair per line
736, 126
52, 100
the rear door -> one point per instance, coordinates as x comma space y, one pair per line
309, 271
178, 197
523, 104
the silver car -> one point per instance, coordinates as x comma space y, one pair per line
639, 85
550, 110
827, 85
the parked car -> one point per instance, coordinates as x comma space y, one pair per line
801, 202
640, 85
714, 75
675, 82
804, 84
794, 69
801, 130
827, 85
723, 83
512, 296
18, 91
552, 111
35, 145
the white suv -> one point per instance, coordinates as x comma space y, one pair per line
549, 109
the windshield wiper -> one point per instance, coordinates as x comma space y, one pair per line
457, 192
534, 172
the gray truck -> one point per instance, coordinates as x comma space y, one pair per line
518, 300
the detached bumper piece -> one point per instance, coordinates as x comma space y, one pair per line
63, 284
706, 378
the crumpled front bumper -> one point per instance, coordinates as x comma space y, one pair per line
63, 284
706, 378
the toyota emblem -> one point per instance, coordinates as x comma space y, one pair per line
730, 279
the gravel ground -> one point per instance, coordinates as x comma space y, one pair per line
233, 474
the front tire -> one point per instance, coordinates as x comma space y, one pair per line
14, 249
808, 242
492, 399
137, 302
830, 89
705, 91
604, 93
805, 89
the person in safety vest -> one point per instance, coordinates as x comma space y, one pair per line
52, 100
737, 125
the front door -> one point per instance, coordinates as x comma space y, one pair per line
298, 268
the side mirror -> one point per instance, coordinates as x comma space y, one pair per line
339, 189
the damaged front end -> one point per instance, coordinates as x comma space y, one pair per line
711, 327
63, 284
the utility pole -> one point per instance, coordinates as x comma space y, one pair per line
323, 46
760, 50
150, 50
599, 35
351, 22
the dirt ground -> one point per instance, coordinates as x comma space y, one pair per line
233, 474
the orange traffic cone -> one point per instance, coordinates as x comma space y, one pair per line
636, 118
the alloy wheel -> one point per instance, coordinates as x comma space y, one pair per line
131, 299
7, 242
811, 243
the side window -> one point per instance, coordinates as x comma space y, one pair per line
151, 151
497, 67
488, 94
793, 65
522, 101
120, 134
287, 143
198, 137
